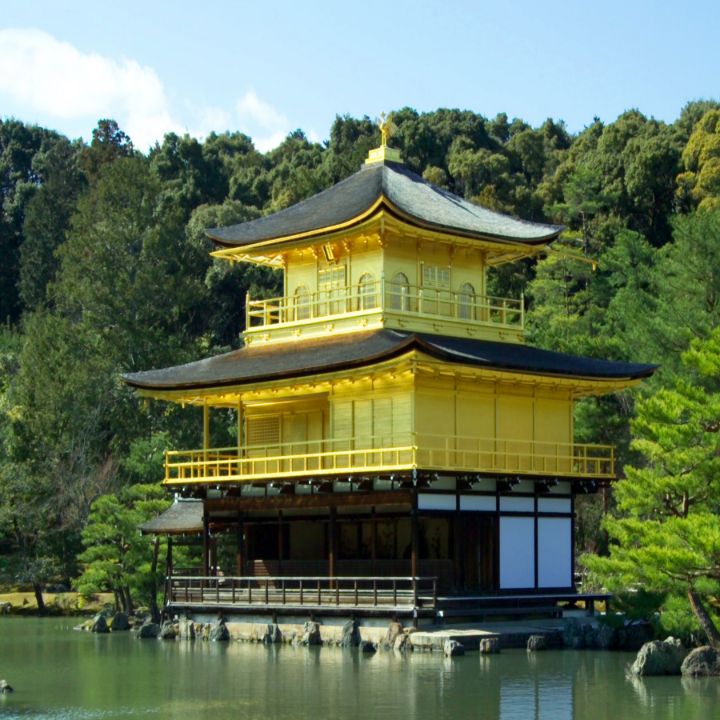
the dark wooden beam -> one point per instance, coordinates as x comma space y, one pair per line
295, 502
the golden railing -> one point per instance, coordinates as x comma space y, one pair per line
362, 455
371, 297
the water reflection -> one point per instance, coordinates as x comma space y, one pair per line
75, 676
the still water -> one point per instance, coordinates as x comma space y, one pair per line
67, 675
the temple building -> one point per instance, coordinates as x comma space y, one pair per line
399, 448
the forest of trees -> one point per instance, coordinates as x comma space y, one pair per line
105, 269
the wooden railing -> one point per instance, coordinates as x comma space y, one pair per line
303, 592
380, 295
421, 451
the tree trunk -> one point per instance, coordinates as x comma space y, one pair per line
154, 610
37, 589
119, 604
127, 598
704, 619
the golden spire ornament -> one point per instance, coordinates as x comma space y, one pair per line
384, 152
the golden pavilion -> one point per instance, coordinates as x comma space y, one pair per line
400, 450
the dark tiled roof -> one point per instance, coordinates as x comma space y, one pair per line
270, 362
415, 197
183, 517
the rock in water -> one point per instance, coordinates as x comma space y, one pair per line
311, 634
168, 631
5, 687
659, 658
272, 634
148, 631
350, 635
119, 622
99, 624
607, 637
394, 629
367, 647
186, 629
489, 646
219, 632
701, 662
536, 643
452, 648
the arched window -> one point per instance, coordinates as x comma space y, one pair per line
366, 292
400, 292
302, 303
466, 302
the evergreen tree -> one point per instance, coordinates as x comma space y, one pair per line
665, 536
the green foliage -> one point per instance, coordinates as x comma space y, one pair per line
665, 536
117, 557
105, 269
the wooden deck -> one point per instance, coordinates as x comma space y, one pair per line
372, 595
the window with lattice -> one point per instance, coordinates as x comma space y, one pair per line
263, 430
436, 276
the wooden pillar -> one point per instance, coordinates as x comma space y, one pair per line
414, 537
373, 540
240, 552
206, 544
206, 437
280, 541
240, 438
213, 556
206, 426
169, 559
458, 557
332, 541
414, 543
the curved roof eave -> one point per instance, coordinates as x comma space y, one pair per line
386, 184
261, 364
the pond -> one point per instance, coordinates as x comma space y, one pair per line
61, 674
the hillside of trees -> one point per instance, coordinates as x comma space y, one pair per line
104, 269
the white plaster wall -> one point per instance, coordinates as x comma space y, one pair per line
517, 553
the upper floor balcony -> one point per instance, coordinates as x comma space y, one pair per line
359, 456
375, 304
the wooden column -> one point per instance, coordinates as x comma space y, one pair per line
206, 434
373, 540
458, 557
169, 559
414, 537
213, 557
240, 437
280, 541
206, 426
206, 544
240, 552
332, 541
414, 543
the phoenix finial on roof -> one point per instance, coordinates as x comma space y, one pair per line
387, 128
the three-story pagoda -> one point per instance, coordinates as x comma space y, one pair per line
397, 441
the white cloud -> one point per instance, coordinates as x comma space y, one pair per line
57, 80
251, 109
263, 144
46, 80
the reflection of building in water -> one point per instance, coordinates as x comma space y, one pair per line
536, 698
394, 439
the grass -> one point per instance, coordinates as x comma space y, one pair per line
66, 603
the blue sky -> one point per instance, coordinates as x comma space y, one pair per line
266, 68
